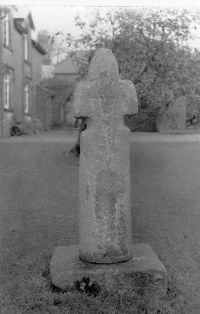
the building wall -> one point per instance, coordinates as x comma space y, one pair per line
18, 75
43, 107
37, 60
61, 93
12, 59
27, 76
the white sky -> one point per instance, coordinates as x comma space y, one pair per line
55, 18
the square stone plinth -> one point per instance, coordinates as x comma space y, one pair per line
144, 272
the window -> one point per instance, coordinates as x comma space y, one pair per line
6, 31
6, 90
26, 54
27, 98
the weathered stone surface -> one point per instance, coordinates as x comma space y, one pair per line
174, 117
104, 182
143, 272
6, 124
105, 258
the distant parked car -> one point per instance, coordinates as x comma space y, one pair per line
16, 129
193, 119
82, 126
33, 126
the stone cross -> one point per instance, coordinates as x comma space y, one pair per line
105, 230
104, 195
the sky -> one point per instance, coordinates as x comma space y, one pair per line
56, 18
60, 16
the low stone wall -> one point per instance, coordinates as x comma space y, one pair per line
173, 118
140, 123
6, 124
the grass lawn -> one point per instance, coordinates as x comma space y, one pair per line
39, 210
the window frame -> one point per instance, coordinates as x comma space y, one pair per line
26, 47
7, 90
6, 31
27, 97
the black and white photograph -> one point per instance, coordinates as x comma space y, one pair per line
100, 157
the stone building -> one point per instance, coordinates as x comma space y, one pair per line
67, 70
61, 78
44, 102
20, 68
61, 100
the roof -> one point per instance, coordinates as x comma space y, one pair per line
22, 29
47, 90
18, 25
56, 84
63, 92
66, 66
38, 47
67, 93
30, 19
53, 82
24, 13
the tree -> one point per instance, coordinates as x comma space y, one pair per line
152, 49
53, 44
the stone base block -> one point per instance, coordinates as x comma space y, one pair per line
144, 273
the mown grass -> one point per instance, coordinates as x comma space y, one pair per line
39, 211
30, 291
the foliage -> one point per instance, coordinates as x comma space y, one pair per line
152, 49
53, 44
